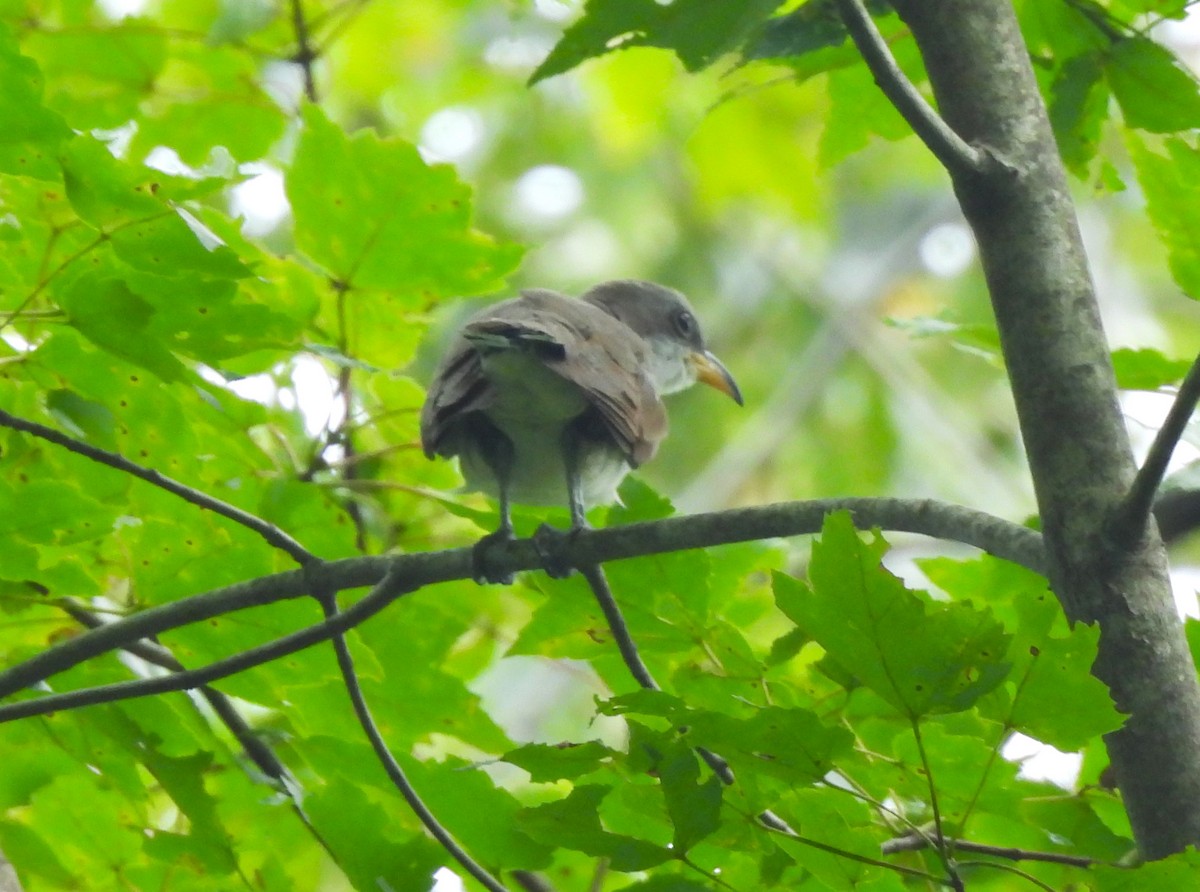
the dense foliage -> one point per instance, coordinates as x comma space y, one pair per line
274, 363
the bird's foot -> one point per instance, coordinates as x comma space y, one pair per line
484, 554
550, 543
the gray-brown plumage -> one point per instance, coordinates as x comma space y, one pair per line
547, 399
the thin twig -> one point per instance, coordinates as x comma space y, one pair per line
268, 531
913, 843
866, 859
305, 54
1133, 515
955, 153
531, 882
598, 582
394, 772
939, 839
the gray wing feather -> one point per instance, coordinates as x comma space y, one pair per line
576, 340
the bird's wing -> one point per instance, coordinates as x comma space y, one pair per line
458, 387
577, 341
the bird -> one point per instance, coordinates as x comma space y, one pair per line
551, 400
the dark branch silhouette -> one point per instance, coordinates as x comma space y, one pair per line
305, 54
394, 772
1134, 513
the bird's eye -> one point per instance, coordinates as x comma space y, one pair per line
685, 324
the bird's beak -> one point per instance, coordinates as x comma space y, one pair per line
712, 372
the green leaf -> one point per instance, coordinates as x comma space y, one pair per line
485, 819
1179, 871
83, 418
170, 245
699, 31
787, 646
31, 132
376, 216
1147, 369
574, 823
98, 73
860, 110
1191, 628
51, 512
1072, 819
1078, 107
105, 829
789, 743
112, 317
104, 191
183, 781
1051, 693
566, 761
663, 883
976, 339
1057, 699
210, 96
693, 806
812, 26
834, 820
133, 207
1154, 92
1171, 184
369, 849
919, 656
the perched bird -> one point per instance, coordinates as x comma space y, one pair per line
550, 400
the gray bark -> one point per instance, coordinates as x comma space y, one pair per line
1065, 393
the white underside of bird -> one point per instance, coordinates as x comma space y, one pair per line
532, 408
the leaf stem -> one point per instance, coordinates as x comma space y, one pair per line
939, 837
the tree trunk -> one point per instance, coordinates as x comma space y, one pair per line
1065, 393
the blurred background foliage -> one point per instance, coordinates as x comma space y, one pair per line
267, 345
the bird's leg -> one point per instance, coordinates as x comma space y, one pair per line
549, 542
498, 452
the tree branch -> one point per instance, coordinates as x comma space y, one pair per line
936, 519
156, 655
1057, 357
955, 153
189, 679
394, 772
1133, 514
270, 533
914, 842
305, 54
